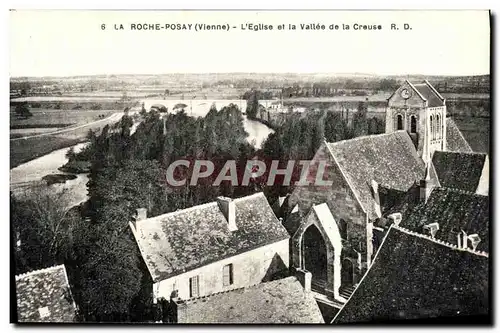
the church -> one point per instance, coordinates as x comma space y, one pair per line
336, 232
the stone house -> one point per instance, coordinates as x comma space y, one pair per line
211, 248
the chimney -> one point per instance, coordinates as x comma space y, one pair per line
178, 313
304, 278
227, 207
474, 239
431, 229
376, 197
425, 185
464, 240
141, 214
395, 218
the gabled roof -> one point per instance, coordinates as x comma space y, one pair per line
277, 302
457, 170
177, 242
455, 141
433, 98
453, 210
390, 159
45, 296
415, 277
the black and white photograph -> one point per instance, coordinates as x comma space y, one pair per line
325, 167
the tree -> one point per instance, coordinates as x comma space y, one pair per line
43, 223
252, 105
23, 111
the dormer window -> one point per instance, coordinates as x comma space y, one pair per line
44, 312
474, 240
431, 229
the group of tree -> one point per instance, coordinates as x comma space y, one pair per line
22, 111
128, 172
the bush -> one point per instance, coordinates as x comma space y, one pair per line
23, 111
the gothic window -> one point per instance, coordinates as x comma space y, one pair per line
432, 127
399, 122
413, 124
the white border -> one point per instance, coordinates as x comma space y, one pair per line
200, 4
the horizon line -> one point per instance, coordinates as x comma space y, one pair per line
340, 74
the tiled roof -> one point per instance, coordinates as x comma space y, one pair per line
455, 141
277, 302
433, 99
45, 296
414, 277
453, 210
184, 240
389, 159
459, 170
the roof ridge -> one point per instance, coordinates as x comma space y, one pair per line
461, 152
458, 190
42, 270
439, 241
434, 90
205, 205
179, 211
416, 90
358, 138
251, 196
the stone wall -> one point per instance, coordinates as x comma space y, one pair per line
343, 205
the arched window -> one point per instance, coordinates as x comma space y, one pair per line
432, 127
413, 124
438, 127
343, 229
399, 122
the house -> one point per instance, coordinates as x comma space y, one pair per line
414, 276
465, 171
45, 296
454, 216
218, 246
283, 301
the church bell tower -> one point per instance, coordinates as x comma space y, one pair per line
420, 110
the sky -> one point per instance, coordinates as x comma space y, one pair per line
68, 43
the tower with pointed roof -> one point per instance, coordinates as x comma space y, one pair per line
420, 110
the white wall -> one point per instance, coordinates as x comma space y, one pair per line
249, 268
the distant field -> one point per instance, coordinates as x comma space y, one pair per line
374, 98
53, 118
64, 99
465, 96
23, 150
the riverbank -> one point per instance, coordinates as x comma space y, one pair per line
22, 151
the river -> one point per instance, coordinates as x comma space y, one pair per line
25, 176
